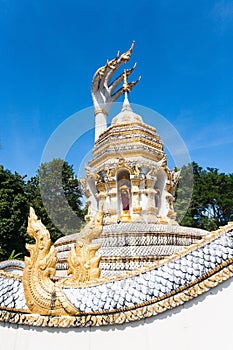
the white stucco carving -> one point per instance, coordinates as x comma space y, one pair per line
105, 93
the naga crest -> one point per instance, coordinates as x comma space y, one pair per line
105, 92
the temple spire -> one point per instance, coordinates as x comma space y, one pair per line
126, 105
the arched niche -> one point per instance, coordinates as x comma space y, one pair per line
123, 193
160, 200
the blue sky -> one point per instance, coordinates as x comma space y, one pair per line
51, 49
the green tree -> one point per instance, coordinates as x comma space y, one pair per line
60, 210
183, 195
55, 194
212, 201
217, 198
13, 213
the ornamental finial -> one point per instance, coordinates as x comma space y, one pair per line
126, 86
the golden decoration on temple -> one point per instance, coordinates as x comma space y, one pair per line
82, 260
42, 295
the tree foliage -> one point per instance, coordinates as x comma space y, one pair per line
13, 213
212, 199
55, 194
17, 195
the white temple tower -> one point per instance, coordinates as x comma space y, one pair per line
128, 179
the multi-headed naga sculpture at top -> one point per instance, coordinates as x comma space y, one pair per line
104, 92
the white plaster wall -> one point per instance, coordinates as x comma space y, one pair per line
204, 323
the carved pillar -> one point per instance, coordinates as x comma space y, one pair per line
101, 187
170, 209
137, 209
151, 209
112, 202
170, 190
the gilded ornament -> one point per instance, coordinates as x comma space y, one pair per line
39, 290
82, 261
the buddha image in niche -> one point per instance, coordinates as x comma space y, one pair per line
125, 193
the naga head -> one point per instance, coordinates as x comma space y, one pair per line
105, 92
